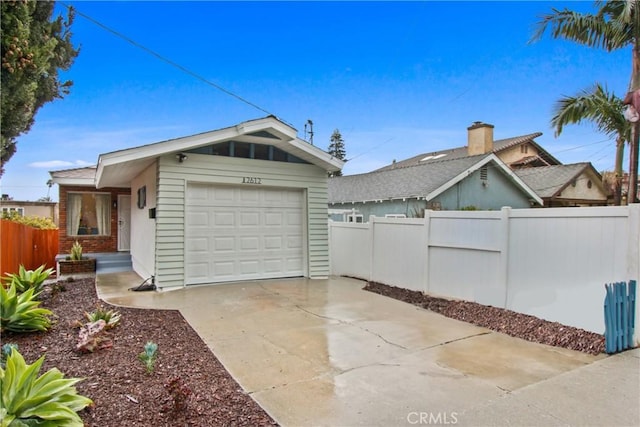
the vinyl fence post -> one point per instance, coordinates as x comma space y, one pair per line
425, 247
372, 255
633, 260
505, 219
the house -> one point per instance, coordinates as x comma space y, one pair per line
571, 185
522, 153
471, 182
26, 208
517, 152
239, 203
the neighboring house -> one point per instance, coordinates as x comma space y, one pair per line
477, 182
516, 152
577, 184
521, 153
25, 208
240, 203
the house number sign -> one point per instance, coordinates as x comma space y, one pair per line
251, 180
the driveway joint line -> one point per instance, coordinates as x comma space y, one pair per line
454, 340
345, 322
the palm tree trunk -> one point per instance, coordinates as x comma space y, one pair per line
633, 163
617, 179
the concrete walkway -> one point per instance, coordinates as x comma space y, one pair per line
326, 353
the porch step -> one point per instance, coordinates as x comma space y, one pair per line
112, 262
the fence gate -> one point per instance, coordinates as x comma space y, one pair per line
619, 316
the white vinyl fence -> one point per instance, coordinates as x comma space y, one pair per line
550, 263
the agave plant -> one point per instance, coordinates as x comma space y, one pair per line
26, 279
111, 317
20, 312
48, 400
76, 252
148, 356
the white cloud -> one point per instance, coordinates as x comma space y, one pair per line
59, 164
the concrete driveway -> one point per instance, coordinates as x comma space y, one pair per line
324, 352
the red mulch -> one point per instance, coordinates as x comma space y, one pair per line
124, 394
508, 322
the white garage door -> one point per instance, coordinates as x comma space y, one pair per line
243, 233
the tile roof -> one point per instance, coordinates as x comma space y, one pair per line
546, 181
407, 182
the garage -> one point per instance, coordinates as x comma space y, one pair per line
247, 232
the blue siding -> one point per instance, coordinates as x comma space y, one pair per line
499, 192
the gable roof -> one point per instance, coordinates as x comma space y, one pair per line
118, 168
425, 180
549, 181
498, 146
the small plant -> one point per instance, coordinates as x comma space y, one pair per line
76, 252
20, 312
26, 279
179, 393
148, 356
111, 317
6, 351
47, 400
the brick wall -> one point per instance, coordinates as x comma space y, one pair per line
90, 244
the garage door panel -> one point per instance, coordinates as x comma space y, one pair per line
250, 219
249, 243
243, 233
224, 244
224, 219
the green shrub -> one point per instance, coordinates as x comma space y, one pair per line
31, 220
76, 252
19, 312
29, 400
26, 279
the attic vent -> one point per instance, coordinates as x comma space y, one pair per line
263, 134
483, 173
433, 157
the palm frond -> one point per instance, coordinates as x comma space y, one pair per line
610, 29
596, 105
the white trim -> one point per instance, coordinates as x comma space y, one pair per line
143, 155
475, 167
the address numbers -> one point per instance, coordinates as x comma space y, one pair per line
251, 180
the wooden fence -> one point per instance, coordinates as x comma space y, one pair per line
31, 247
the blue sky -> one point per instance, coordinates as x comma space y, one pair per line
396, 78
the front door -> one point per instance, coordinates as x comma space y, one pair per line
124, 222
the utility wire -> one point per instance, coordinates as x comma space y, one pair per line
168, 61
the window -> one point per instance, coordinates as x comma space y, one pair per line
11, 211
524, 149
355, 218
88, 214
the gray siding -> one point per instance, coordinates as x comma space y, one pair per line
172, 184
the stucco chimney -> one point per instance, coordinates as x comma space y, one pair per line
480, 139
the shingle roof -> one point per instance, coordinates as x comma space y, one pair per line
546, 181
80, 173
411, 181
455, 153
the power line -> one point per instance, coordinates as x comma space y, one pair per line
168, 61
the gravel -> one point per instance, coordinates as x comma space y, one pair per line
508, 322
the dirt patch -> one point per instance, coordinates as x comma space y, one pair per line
188, 386
508, 322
